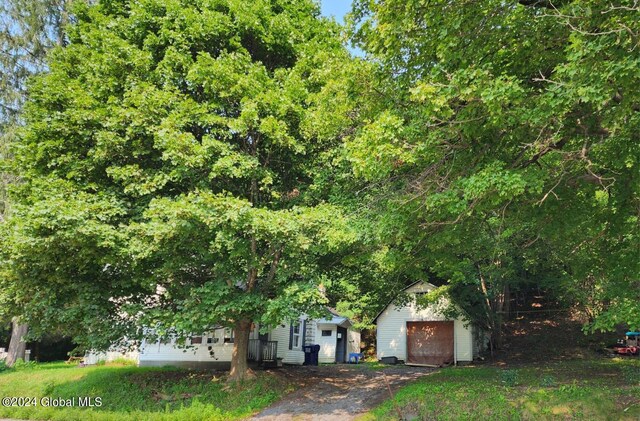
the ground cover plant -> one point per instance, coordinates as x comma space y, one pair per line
591, 389
138, 393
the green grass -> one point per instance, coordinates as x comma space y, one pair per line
134, 393
598, 389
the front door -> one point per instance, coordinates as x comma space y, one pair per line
341, 345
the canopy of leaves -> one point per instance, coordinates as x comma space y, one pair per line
507, 134
169, 159
28, 30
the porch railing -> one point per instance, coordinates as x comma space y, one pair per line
260, 350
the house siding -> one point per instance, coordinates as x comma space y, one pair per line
203, 354
289, 356
219, 356
94, 358
198, 356
392, 328
159, 354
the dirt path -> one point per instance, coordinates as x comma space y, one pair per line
337, 392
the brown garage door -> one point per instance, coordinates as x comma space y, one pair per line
430, 343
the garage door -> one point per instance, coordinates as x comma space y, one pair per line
430, 343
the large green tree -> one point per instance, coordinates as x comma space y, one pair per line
506, 132
28, 30
168, 159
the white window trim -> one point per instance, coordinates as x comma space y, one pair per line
297, 335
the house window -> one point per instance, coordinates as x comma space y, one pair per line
228, 336
296, 335
326, 333
196, 340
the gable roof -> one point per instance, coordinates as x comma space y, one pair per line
375, 320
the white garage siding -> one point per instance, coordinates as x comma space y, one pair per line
392, 328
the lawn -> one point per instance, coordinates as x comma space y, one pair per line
594, 389
133, 393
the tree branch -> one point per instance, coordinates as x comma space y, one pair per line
547, 4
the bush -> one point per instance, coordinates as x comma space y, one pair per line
20, 364
4, 366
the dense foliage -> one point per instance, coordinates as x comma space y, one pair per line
28, 30
507, 134
187, 164
168, 162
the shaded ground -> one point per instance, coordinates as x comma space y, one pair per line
339, 392
558, 336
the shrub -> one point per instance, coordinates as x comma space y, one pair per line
20, 364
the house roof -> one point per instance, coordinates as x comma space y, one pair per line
335, 319
375, 320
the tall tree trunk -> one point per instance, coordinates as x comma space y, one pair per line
17, 346
239, 367
494, 309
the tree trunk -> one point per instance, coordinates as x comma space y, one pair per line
493, 309
17, 346
239, 368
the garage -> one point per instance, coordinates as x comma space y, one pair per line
430, 343
424, 334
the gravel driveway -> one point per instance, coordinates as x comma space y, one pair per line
339, 392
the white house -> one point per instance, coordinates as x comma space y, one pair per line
423, 336
281, 344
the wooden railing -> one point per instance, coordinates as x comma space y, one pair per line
262, 350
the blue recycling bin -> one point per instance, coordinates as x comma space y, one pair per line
311, 354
